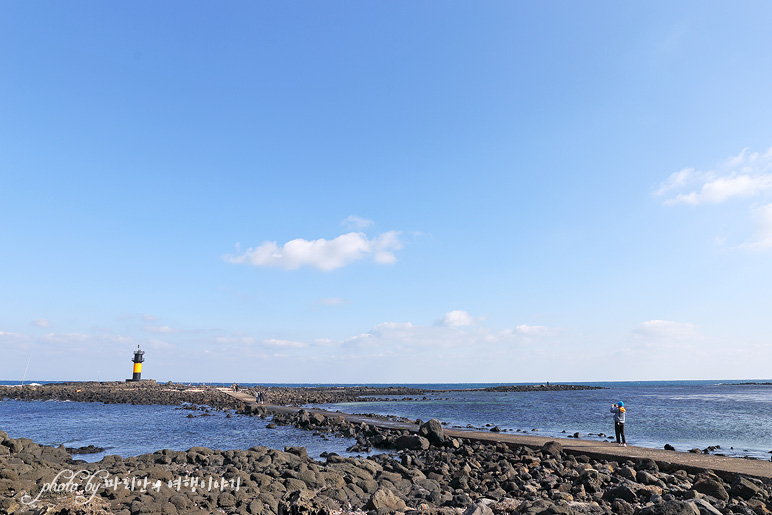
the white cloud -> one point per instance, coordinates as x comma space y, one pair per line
722, 189
14, 338
456, 318
287, 344
744, 175
41, 322
249, 342
456, 330
533, 330
667, 330
322, 254
676, 180
147, 317
356, 223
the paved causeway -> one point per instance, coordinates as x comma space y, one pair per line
721, 465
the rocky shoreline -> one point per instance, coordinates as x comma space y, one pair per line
416, 468
542, 388
150, 392
425, 473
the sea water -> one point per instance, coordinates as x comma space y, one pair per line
686, 414
131, 430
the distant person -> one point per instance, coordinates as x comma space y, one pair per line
618, 410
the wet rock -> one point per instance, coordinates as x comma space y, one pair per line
89, 449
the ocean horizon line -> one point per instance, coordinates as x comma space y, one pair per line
480, 384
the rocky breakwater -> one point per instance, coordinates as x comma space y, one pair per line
445, 477
143, 392
150, 392
542, 388
300, 396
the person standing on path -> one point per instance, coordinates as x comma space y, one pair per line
618, 410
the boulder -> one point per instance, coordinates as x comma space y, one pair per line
553, 448
670, 508
705, 507
412, 442
712, 488
300, 502
433, 431
646, 464
297, 451
384, 499
478, 509
623, 491
743, 487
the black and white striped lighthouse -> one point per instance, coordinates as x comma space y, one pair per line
139, 357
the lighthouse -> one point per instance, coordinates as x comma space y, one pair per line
139, 357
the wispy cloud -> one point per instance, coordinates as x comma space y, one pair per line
455, 330
667, 330
249, 341
14, 338
322, 254
285, 344
357, 223
41, 322
746, 176
147, 317
533, 330
456, 318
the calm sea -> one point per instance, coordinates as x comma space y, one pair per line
686, 414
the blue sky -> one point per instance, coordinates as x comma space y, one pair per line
386, 192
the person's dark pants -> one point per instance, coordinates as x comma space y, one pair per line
619, 429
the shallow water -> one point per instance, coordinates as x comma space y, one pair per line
130, 430
685, 414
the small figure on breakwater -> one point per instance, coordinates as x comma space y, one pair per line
618, 410
260, 398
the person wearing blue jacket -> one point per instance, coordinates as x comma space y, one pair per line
618, 410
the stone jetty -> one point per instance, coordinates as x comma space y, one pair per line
416, 467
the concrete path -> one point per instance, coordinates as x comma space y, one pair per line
721, 465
